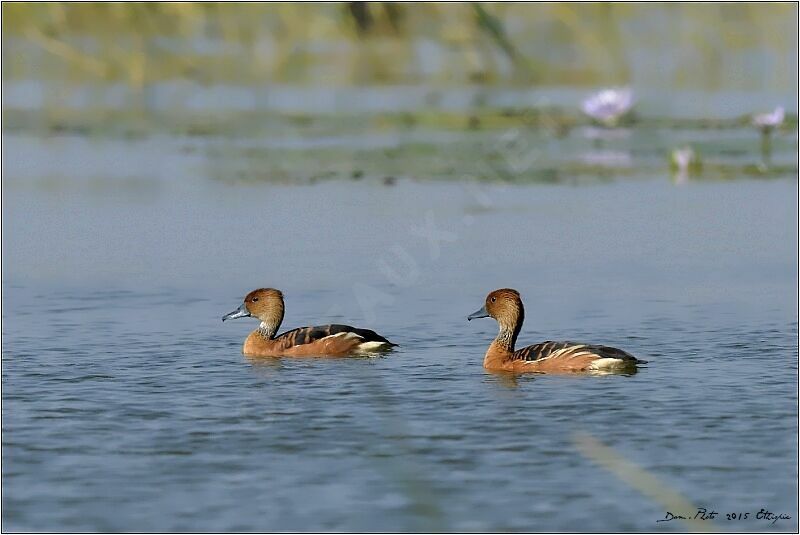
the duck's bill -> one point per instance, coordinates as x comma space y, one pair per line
240, 312
478, 314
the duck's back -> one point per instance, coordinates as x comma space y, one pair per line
572, 350
309, 335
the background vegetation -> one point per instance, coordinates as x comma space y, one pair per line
691, 45
285, 76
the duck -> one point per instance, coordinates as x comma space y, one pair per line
505, 306
334, 340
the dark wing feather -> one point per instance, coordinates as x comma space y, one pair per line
614, 353
306, 335
540, 351
545, 349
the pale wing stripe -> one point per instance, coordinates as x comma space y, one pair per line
345, 334
562, 352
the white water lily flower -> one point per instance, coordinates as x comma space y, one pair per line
608, 105
682, 158
683, 162
767, 121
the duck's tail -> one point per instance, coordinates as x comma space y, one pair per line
612, 364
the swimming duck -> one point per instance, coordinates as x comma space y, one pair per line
505, 306
266, 304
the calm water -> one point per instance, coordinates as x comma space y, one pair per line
127, 404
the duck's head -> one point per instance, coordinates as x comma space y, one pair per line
504, 305
265, 304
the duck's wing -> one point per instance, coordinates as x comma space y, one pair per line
572, 350
544, 350
308, 335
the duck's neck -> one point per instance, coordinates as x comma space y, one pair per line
502, 347
269, 327
506, 339
510, 326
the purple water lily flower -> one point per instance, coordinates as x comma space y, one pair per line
608, 105
768, 121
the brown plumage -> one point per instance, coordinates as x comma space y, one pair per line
266, 304
505, 306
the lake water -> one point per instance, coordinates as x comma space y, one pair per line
127, 405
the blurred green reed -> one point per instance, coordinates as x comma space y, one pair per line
382, 42
647, 483
100, 70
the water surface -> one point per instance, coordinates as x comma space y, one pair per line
128, 406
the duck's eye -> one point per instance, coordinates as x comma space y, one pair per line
255, 299
494, 299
